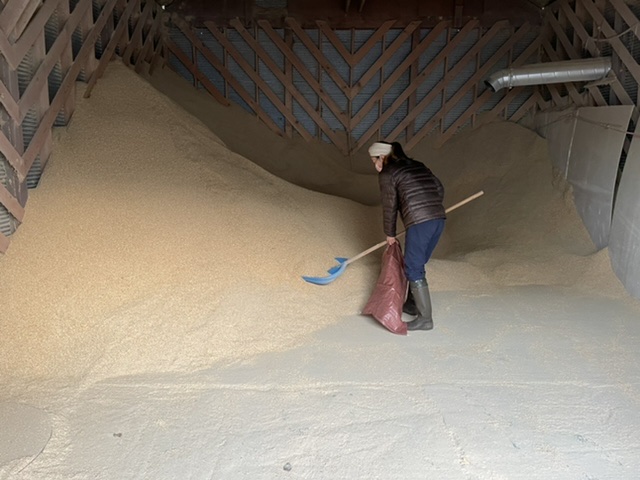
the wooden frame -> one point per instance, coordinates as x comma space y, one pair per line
350, 89
22, 30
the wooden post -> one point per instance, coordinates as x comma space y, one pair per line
288, 71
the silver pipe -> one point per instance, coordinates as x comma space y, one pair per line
581, 70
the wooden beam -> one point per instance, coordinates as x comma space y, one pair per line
513, 39
217, 64
413, 57
587, 40
24, 19
35, 28
44, 129
493, 31
39, 80
488, 93
146, 52
318, 55
136, 36
4, 243
11, 203
304, 72
209, 87
627, 15
13, 156
280, 75
524, 108
377, 36
10, 15
107, 54
612, 38
571, 51
383, 59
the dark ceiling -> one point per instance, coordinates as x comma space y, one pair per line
358, 13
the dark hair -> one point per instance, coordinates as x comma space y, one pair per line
397, 152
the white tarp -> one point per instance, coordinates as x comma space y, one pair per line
593, 165
624, 241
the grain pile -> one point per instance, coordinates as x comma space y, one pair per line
150, 246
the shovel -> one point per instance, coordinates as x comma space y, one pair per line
335, 272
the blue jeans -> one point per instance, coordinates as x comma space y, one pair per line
421, 240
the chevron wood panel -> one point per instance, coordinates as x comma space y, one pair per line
39, 38
349, 87
568, 36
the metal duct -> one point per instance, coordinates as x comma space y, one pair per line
582, 70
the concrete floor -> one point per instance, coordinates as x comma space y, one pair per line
527, 383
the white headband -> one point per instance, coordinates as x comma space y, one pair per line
379, 149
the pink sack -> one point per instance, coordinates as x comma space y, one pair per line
385, 303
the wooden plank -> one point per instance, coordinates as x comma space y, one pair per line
136, 36
383, 59
217, 64
488, 93
107, 54
627, 15
413, 74
4, 243
304, 72
410, 60
13, 156
10, 15
524, 108
9, 103
258, 81
39, 80
625, 56
42, 102
66, 61
25, 18
213, 91
147, 47
288, 71
571, 51
497, 27
319, 56
377, 36
35, 28
462, 91
11, 203
8, 52
11, 137
266, 59
617, 88
334, 40
44, 129
159, 57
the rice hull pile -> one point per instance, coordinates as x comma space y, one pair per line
151, 247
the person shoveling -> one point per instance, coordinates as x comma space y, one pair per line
408, 188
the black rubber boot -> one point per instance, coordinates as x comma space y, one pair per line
420, 291
409, 306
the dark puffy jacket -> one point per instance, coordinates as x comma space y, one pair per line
409, 187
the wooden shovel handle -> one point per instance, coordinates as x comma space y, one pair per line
381, 244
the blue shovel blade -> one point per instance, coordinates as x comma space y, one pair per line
340, 260
326, 280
